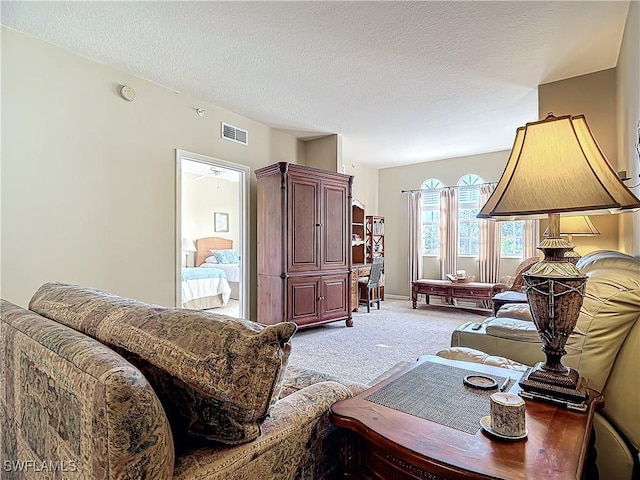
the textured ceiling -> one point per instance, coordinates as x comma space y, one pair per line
401, 82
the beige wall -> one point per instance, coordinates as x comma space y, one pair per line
393, 206
365, 185
88, 179
300, 152
628, 101
593, 95
322, 153
284, 147
326, 153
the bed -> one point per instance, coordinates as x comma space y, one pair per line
204, 288
204, 246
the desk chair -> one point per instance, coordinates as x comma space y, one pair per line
367, 285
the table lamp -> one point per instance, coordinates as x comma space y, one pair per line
580, 226
556, 167
187, 246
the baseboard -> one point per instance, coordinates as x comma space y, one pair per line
397, 297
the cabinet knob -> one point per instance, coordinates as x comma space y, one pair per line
320, 298
319, 224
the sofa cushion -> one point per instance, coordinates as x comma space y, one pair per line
520, 311
217, 376
511, 328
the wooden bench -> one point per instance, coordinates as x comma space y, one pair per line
477, 291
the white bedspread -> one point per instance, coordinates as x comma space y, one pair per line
205, 287
232, 270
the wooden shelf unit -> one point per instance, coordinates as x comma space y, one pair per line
358, 238
374, 237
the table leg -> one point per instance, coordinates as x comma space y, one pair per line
590, 468
414, 295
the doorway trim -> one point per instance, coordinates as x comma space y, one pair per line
244, 223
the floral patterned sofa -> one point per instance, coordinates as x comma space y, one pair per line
96, 386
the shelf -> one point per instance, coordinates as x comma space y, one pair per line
374, 237
358, 226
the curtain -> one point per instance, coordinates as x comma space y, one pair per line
415, 236
448, 231
531, 238
489, 241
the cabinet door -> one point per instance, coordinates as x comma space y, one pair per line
304, 224
334, 296
335, 227
304, 297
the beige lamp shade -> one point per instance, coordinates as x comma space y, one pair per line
188, 245
580, 226
556, 166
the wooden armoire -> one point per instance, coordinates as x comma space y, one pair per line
304, 245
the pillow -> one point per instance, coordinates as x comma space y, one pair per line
219, 256
233, 256
216, 376
226, 256
211, 259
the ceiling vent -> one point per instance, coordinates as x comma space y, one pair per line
234, 134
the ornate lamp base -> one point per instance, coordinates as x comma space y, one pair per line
571, 387
555, 288
572, 256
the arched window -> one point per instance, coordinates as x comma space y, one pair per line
468, 208
431, 216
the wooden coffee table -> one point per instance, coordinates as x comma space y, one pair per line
451, 290
382, 443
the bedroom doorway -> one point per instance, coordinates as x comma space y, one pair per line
211, 234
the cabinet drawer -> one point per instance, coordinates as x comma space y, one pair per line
363, 271
435, 290
471, 293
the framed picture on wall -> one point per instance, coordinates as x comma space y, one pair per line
220, 222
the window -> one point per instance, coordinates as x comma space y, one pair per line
468, 208
431, 216
512, 241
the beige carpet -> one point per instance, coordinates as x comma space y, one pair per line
378, 340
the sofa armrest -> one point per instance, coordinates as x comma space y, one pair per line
476, 356
71, 398
297, 441
297, 378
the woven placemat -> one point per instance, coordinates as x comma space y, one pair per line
436, 393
